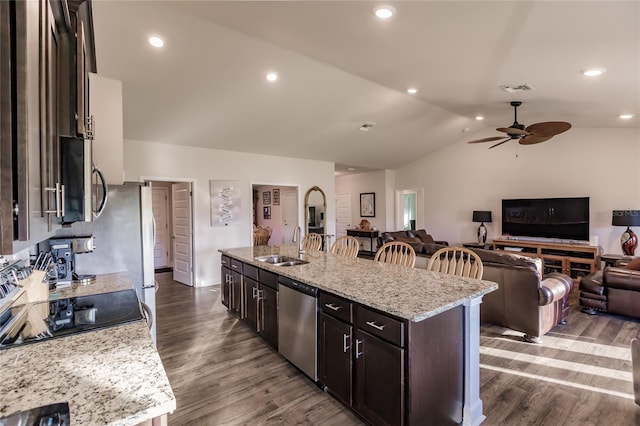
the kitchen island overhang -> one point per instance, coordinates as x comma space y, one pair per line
413, 295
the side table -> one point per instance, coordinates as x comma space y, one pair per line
611, 259
485, 246
371, 235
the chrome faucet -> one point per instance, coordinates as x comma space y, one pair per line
296, 238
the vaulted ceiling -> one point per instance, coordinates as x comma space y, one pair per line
339, 66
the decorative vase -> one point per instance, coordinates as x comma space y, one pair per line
629, 242
482, 234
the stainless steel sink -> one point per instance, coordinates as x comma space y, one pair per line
278, 260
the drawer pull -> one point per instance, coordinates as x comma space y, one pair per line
358, 353
234, 266
376, 326
345, 347
332, 306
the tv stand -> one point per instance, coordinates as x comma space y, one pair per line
575, 260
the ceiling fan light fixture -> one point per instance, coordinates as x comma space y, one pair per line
593, 72
384, 12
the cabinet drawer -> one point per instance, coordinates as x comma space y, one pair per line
269, 279
336, 307
236, 265
390, 329
225, 261
250, 271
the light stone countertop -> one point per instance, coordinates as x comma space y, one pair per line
408, 293
112, 376
103, 284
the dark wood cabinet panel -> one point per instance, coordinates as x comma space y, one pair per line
251, 302
225, 286
236, 293
334, 357
379, 380
269, 315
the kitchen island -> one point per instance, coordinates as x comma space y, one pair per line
435, 318
111, 376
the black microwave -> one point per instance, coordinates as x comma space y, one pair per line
85, 189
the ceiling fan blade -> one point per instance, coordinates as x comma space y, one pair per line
548, 128
512, 131
500, 143
491, 139
533, 139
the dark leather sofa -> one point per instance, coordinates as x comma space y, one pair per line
422, 243
524, 300
614, 290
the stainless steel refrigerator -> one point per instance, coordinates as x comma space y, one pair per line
124, 240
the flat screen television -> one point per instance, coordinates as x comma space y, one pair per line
563, 218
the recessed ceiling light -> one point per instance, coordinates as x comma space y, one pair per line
412, 90
272, 76
593, 72
350, 169
156, 40
626, 116
384, 12
479, 117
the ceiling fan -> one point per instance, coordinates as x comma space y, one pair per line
535, 133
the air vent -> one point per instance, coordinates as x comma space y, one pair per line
517, 88
366, 126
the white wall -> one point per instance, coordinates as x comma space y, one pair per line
153, 161
598, 163
369, 182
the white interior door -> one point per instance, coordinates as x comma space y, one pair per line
289, 215
343, 213
182, 233
161, 214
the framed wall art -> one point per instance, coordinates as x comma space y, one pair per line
368, 204
225, 202
266, 212
276, 196
266, 198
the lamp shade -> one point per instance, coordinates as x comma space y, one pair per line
481, 216
625, 218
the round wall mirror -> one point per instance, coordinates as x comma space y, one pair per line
315, 208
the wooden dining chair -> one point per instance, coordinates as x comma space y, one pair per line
346, 246
312, 242
396, 253
458, 261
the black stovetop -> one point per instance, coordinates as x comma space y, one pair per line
35, 322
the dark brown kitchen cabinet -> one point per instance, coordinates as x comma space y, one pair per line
236, 288
225, 283
335, 357
379, 378
261, 303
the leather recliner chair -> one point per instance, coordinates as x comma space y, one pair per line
614, 290
524, 300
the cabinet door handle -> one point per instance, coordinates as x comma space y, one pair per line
376, 326
345, 347
358, 353
61, 200
260, 294
254, 291
332, 306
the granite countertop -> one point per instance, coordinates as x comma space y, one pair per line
112, 376
103, 284
409, 293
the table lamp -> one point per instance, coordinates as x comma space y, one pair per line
627, 218
482, 216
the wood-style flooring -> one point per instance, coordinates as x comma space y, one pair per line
223, 374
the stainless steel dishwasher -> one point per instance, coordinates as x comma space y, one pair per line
297, 332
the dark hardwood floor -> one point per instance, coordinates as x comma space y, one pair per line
223, 374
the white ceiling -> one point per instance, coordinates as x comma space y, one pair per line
340, 67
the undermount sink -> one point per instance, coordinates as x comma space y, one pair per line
278, 260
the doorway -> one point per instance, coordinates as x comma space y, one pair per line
275, 207
409, 209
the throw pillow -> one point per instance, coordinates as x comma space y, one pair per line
408, 239
422, 235
634, 264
